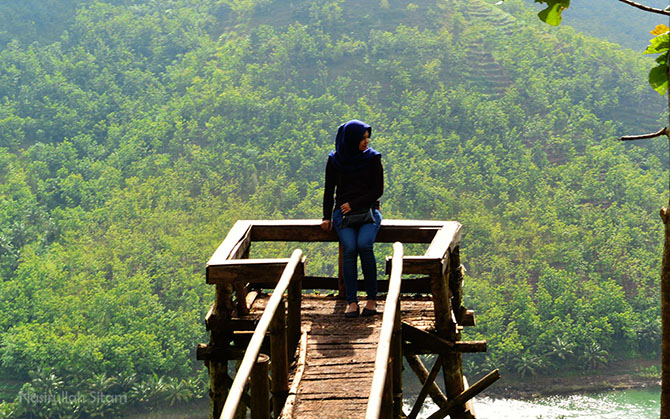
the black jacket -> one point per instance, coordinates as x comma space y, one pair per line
361, 188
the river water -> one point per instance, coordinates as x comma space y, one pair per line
621, 404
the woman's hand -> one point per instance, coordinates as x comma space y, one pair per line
345, 208
327, 225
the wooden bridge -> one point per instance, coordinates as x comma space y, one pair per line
321, 364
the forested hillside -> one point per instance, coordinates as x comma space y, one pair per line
133, 134
613, 20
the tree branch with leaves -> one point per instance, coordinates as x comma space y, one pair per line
658, 79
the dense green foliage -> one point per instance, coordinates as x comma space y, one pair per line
613, 20
129, 146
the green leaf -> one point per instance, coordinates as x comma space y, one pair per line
552, 14
658, 78
658, 44
663, 58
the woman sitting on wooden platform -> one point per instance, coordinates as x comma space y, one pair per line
354, 171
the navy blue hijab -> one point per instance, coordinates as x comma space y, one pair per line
347, 156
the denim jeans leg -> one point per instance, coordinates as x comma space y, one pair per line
367, 234
349, 254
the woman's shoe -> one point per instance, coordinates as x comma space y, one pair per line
352, 314
367, 312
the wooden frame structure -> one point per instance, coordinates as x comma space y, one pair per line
238, 278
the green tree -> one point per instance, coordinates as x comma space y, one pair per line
659, 77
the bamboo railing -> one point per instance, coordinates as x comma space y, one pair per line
386, 350
253, 350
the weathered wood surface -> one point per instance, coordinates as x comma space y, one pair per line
234, 245
409, 285
406, 231
340, 355
388, 327
339, 359
247, 270
446, 239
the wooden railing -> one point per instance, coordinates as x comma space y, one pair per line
387, 382
274, 313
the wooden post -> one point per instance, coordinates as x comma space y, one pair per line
279, 357
294, 305
260, 389
456, 283
453, 377
446, 328
218, 370
241, 290
396, 358
444, 325
387, 396
217, 387
241, 412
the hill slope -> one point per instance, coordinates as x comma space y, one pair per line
131, 145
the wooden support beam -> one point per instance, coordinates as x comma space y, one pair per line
453, 380
217, 366
206, 352
406, 231
424, 339
218, 386
392, 231
387, 396
260, 388
421, 265
241, 293
444, 326
429, 386
293, 314
279, 356
466, 395
435, 344
467, 318
239, 324
469, 405
227, 381
456, 282
396, 359
246, 270
461, 346
291, 230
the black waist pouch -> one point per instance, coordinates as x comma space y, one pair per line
355, 220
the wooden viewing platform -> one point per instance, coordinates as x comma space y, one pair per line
322, 365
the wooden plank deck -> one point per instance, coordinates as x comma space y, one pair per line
341, 354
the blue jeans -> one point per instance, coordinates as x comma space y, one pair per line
355, 242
